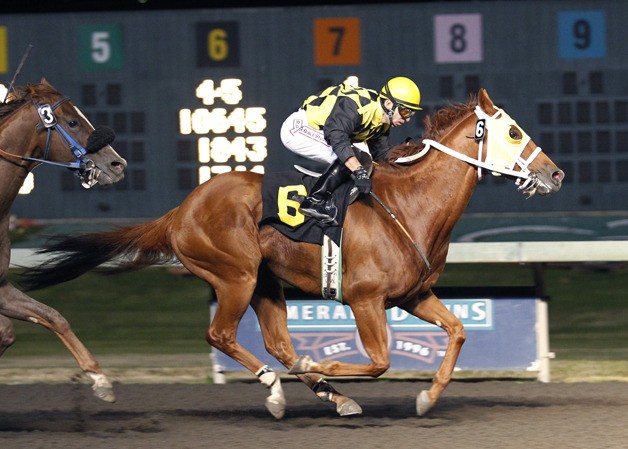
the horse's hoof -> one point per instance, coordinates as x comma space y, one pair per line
105, 394
349, 408
301, 366
423, 403
102, 387
276, 407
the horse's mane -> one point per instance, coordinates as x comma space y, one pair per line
435, 127
21, 95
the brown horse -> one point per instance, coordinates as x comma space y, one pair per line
38, 125
215, 235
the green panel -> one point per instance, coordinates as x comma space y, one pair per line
101, 47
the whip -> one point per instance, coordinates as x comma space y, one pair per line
17, 71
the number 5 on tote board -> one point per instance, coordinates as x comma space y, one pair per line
101, 47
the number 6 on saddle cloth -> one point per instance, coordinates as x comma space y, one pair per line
280, 198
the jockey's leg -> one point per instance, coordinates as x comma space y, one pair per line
319, 203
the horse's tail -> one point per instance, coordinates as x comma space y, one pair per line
127, 248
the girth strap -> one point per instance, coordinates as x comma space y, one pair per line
331, 269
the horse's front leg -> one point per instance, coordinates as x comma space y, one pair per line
432, 310
370, 318
270, 306
17, 305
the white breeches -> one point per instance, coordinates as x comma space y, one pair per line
300, 138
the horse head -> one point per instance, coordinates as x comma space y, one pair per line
484, 136
509, 148
66, 137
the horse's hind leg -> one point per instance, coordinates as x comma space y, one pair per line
270, 306
7, 334
17, 305
223, 250
233, 299
432, 310
370, 319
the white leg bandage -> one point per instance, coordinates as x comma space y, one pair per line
267, 376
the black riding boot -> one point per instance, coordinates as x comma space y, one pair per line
319, 203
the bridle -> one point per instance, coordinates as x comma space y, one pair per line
83, 167
526, 180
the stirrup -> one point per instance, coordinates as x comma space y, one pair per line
323, 217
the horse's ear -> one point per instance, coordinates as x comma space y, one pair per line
45, 82
485, 102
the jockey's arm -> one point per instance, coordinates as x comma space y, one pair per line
379, 147
338, 129
352, 163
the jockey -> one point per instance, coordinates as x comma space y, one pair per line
327, 125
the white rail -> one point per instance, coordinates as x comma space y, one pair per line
539, 252
476, 252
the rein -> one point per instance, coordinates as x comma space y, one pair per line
480, 164
14, 156
415, 244
526, 180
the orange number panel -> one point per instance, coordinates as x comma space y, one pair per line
337, 41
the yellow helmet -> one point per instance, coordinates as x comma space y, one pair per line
402, 91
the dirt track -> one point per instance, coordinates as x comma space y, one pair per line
492, 414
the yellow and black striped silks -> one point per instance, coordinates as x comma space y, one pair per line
348, 114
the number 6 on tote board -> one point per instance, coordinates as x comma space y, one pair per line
217, 44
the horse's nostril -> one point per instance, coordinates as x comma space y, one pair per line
119, 165
558, 176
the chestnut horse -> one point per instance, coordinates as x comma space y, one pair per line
215, 235
38, 125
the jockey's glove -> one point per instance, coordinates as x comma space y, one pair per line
362, 180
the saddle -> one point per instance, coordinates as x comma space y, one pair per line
282, 193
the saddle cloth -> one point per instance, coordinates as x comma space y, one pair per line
281, 211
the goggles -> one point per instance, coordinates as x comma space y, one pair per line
404, 112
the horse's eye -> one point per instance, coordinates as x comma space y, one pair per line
514, 133
73, 123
